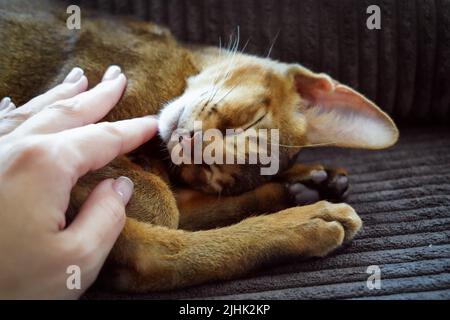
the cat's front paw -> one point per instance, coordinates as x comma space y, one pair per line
320, 228
320, 184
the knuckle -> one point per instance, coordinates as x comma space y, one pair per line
110, 129
29, 149
19, 115
68, 107
62, 91
44, 153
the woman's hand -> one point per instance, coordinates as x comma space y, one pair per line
45, 146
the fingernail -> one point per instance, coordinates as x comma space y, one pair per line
112, 73
11, 107
123, 186
74, 75
5, 103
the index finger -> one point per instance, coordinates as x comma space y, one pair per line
84, 108
94, 146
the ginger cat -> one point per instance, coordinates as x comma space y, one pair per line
191, 224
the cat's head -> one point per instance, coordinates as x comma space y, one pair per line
247, 92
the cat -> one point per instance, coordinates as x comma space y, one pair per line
189, 224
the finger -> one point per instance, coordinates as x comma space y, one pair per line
17, 116
85, 108
102, 217
74, 83
92, 147
6, 125
11, 107
5, 103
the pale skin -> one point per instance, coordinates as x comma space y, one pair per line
45, 146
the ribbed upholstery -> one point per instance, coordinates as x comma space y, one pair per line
404, 67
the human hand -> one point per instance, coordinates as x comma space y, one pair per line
45, 146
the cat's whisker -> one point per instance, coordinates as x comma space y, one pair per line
232, 49
305, 145
214, 88
233, 54
273, 44
245, 46
230, 44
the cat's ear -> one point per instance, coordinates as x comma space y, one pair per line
338, 115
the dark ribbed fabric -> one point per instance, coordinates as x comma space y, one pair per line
403, 197
404, 67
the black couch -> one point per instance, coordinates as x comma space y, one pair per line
403, 193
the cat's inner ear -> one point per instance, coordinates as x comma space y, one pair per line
338, 115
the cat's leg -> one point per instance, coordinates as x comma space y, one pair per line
159, 258
200, 211
310, 183
152, 200
299, 185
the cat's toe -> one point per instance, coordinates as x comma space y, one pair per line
336, 188
320, 184
300, 194
318, 176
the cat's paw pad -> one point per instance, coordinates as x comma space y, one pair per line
336, 187
322, 184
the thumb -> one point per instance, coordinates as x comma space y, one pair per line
102, 216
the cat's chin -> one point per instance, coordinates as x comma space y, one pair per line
168, 120
165, 130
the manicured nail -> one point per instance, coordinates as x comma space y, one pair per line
112, 73
123, 186
5, 103
11, 107
74, 75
